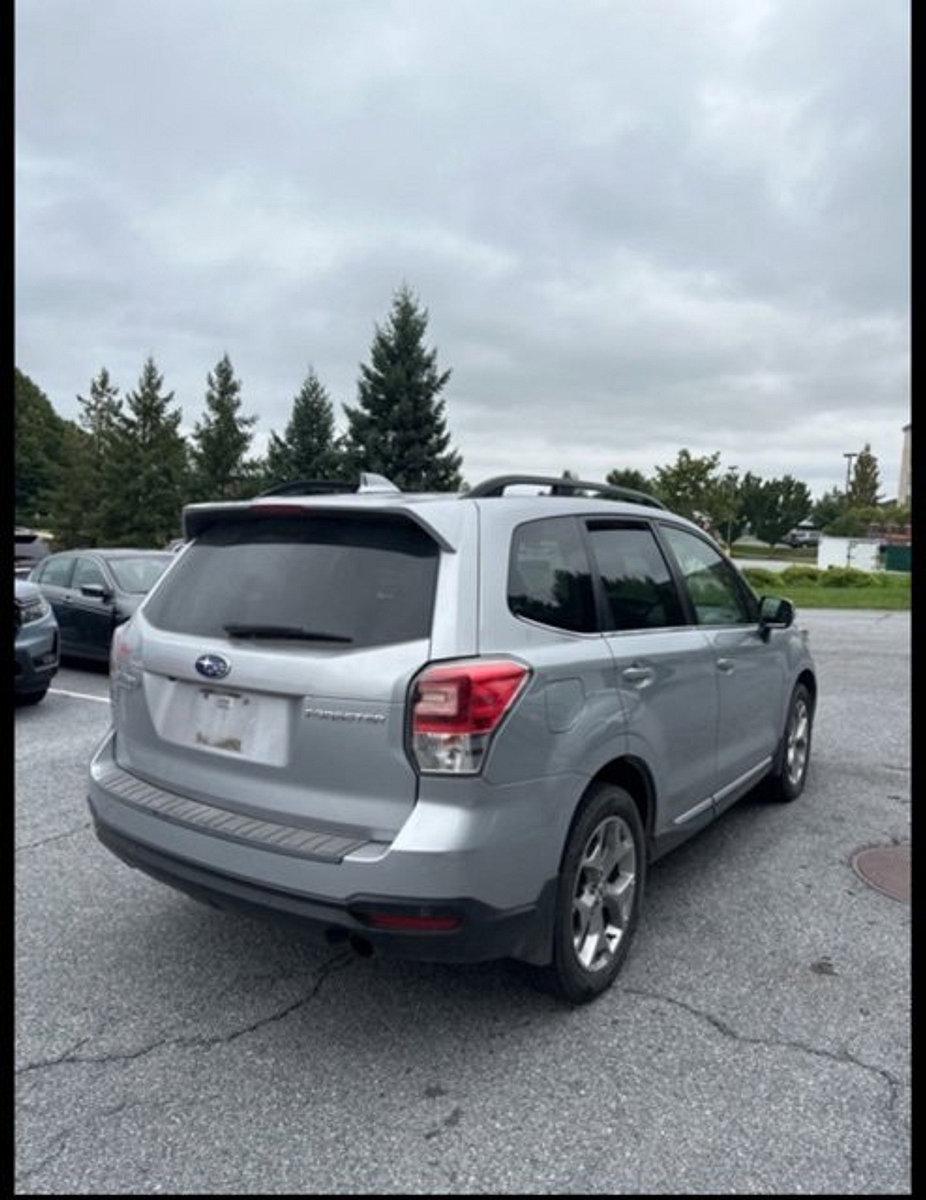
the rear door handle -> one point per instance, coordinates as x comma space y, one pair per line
726, 665
641, 676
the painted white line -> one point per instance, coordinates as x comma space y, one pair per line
79, 695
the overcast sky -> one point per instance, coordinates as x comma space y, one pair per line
637, 225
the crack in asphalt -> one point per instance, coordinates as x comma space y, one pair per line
56, 1146
59, 1141
54, 837
199, 1042
839, 1056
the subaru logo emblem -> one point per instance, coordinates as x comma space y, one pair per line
213, 666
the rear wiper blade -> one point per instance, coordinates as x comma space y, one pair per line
284, 631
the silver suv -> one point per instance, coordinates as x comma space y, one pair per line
446, 727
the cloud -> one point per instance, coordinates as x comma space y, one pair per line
635, 227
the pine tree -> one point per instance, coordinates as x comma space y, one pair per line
308, 448
100, 412
863, 490
79, 499
146, 471
76, 502
399, 428
222, 438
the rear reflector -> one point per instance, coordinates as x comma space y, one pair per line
455, 709
413, 924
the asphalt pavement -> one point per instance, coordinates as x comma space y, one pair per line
757, 1039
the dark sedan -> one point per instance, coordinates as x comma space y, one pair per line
93, 591
36, 643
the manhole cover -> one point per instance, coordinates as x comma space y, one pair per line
885, 868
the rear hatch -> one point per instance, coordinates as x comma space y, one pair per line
272, 665
29, 549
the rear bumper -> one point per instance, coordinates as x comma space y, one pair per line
493, 864
36, 656
484, 933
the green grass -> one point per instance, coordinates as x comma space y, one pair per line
814, 596
838, 587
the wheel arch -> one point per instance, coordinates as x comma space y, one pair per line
631, 773
809, 680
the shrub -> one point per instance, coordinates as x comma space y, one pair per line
761, 578
844, 577
799, 574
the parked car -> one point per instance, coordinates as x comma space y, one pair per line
446, 727
93, 591
802, 536
29, 548
36, 647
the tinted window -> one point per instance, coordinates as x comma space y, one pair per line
361, 578
713, 585
636, 580
139, 575
87, 571
57, 572
548, 575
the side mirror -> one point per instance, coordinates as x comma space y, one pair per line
97, 590
775, 613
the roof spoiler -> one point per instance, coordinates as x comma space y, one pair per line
197, 518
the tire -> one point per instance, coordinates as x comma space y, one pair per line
606, 811
31, 697
786, 781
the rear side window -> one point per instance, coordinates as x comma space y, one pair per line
637, 584
549, 579
364, 580
57, 572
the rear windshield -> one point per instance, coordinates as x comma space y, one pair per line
368, 580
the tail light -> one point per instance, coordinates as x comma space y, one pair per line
456, 708
125, 664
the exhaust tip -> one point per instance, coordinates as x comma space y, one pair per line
360, 946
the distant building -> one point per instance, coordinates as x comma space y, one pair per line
903, 487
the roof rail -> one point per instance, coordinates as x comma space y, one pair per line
367, 483
562, 487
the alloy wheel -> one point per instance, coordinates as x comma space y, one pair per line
603, 893
798, 742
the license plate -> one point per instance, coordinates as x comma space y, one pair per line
227, 722
221, 720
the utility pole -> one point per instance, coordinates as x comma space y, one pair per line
730, 472
848, 456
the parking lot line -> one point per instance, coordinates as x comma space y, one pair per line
78, 695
